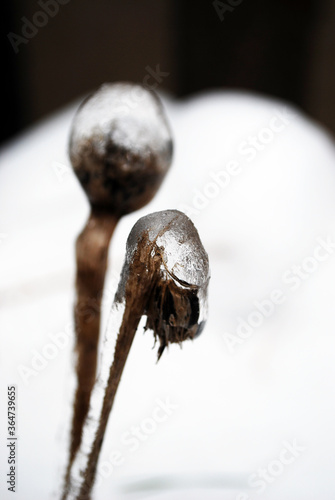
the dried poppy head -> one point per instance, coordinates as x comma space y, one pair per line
120, 147
170, 269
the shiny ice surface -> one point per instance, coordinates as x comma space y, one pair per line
178, 240
126, 115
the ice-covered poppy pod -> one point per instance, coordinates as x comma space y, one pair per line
120, 146
165, 278
165, 247
120, 149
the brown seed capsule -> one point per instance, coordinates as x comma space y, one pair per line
165, 249
120, 147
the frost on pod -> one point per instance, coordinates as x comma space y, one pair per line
120, 146
165, 248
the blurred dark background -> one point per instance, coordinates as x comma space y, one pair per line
56, 50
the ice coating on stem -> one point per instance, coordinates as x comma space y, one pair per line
81, 461
121, 146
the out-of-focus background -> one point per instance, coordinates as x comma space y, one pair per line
54, 51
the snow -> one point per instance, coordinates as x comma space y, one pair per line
258, 180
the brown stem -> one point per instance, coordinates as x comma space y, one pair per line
122, 348
91, 255
136, 296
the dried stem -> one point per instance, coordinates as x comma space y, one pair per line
91, 255
122, 348
81, 476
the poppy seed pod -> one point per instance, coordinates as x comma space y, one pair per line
120, 147
177, 265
